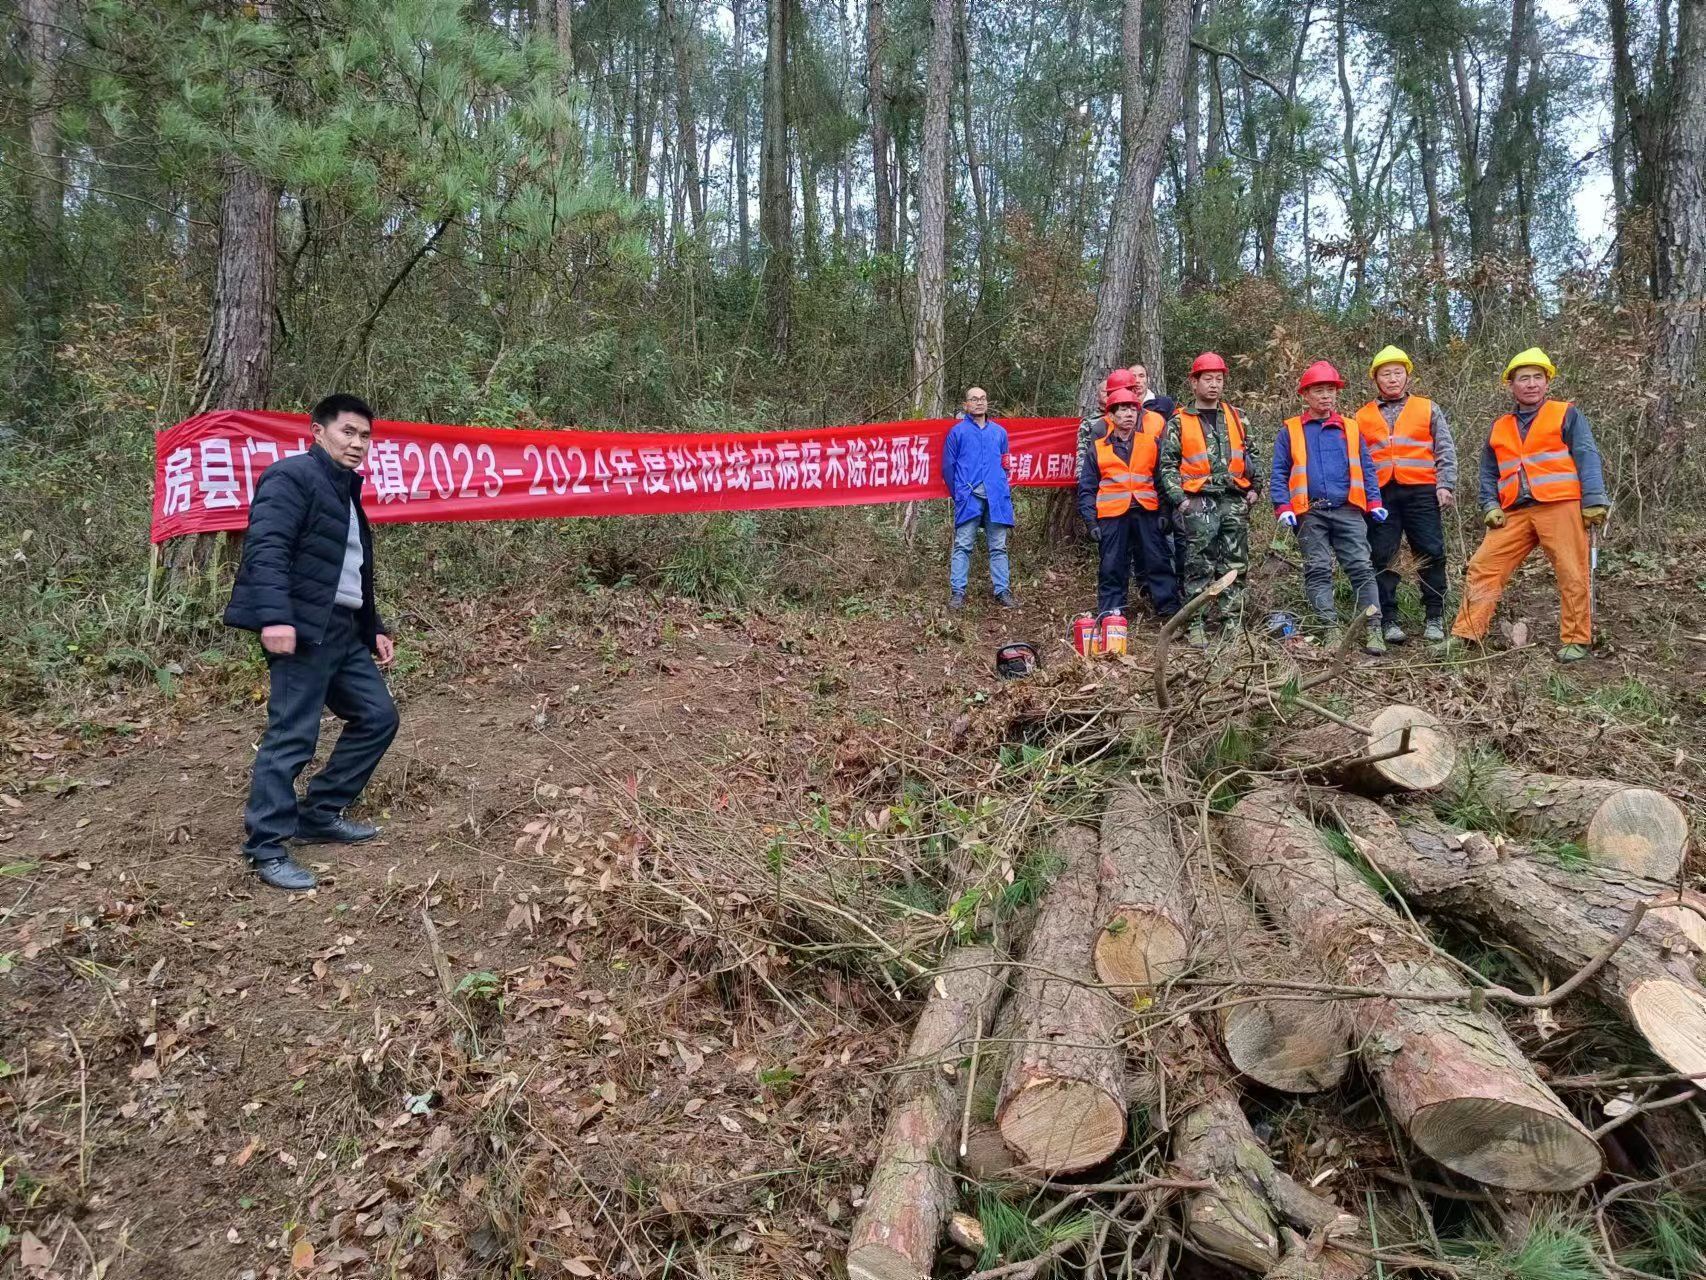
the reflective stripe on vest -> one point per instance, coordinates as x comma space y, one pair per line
1298, 483
1124, 481
1542, 456
1195, 467
1404, 451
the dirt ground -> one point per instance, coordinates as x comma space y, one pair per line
202, 1077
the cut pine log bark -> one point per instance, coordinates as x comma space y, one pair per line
1368, 758
1561, 918
1299, 1045
1451, 1076
1635, 829
1144, 936
1062, 1105
911, 1192
1256, 1216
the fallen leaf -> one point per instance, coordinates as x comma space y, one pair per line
35, 1255
302, 1256
729, 1123
575, 1267
242, 1157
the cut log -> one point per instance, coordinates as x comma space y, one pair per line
1451, 1076
1253, 1215
1350, 758
1062, 1106
1561, 918
1637, 829
911, 1191
1298, 1045
1143, 939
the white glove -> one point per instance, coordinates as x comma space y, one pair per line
1288, 519
1379, 514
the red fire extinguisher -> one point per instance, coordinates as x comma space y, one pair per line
1084, 635
1111, 637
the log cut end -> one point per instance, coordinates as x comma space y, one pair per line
1639, 830
1063, 1126
1673, 1018
879, 1262
1431, 758
1139, 948
1506, 1144
1295, 1046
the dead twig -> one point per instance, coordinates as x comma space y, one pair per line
1171, 628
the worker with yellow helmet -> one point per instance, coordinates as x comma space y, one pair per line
1416, 461
1542, 485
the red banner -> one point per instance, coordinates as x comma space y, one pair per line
205, 469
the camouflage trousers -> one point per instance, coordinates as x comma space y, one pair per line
1211, 541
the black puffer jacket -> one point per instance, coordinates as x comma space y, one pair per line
293, 553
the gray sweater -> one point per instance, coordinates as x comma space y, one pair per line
1584, 451
1445, 448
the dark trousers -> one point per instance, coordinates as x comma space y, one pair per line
1412, 514
1137, 541
338, 673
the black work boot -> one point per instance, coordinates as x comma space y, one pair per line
285, 872
340, 830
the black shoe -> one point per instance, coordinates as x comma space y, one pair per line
285, 873
340, 830
957, 601
1006, 600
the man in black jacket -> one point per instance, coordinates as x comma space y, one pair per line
306, 584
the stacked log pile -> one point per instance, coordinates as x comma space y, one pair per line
1202, 975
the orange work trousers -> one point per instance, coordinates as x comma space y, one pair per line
1557, 529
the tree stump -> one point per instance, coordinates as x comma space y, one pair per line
1347, 757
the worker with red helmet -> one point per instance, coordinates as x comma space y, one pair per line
1207, 459
1325, 488
1121, 505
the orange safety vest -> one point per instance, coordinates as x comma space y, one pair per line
1195, 467
1542, 456
1299, 482
1406, 449
1123, 482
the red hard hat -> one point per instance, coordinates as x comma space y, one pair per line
1321, 373
1207, 362
1122, 395
1119, 378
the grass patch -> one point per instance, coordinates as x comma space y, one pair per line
1670, 1237
1009, 1235
1345, 851
1566, 853
1031, 879
1554, 1250
1629, 699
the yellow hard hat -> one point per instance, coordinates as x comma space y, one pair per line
1390, 355
1533, 358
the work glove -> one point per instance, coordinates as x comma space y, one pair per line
1595, 517
1494, 519
1379, 514
1287, 517
1251, 497
1094, 529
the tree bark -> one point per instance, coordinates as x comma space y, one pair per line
1560, 918
775, 207
974, 161
564, 30
1062, 1104
1136, 194
1680, 253
1450, 1076
1144, 915
1299, 1046
236, 359
928, 333
1346, 756
44, 45
1150, 295
911, 1191
687, 148
1635, 829
1428, 145
882, 182
738, 120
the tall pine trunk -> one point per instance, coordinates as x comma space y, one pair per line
687, 145
738, 120
1680, 255
775, 196
1135, 201
928, 326
882, 184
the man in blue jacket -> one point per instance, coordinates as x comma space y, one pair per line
1325, 488
306, 585
974, 463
